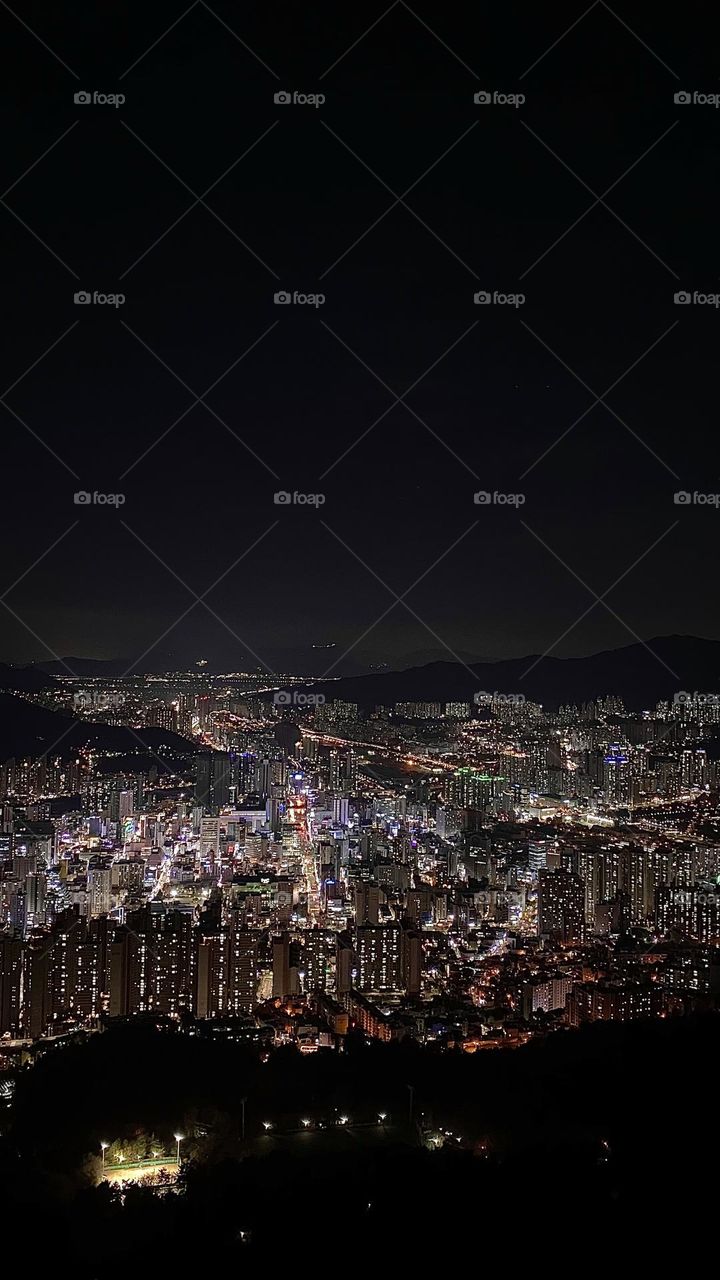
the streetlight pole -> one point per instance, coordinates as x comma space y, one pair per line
178, 1139
103, 1148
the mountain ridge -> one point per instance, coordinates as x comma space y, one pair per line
641, 674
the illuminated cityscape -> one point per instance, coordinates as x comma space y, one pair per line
467, 880
359, 653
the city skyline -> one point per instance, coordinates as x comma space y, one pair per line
359, 671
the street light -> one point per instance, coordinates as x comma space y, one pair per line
382, 1117
103, 1147
267, 1124
306, 1123
179, 1137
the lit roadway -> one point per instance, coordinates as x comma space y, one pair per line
163, 879
412, 760
299, 817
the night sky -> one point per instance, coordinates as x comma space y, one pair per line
305, 198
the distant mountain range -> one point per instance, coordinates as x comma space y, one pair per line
24, 679
29, 730
301, 660
641, 674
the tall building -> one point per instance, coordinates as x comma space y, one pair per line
281, 976
379, 957
367, 903
561, 906
315, 956
99, 889
151, 963
10, 984
214, 776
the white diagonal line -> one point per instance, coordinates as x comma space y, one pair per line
39, 439
599, 399
599, 199
199, 399
160, 37
358, 440
642, 155
74, 722
560, 37
399, 199
599, 599
45, 353
360, 37
39, 639
55, 55
34, 564
400, 598
40, 157
199, 199
224, 24
412, 385
439, 39
624, 24
39, 239
22, 422
399, 399
199, 599
159, 440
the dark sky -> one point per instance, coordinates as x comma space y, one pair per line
497, 386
